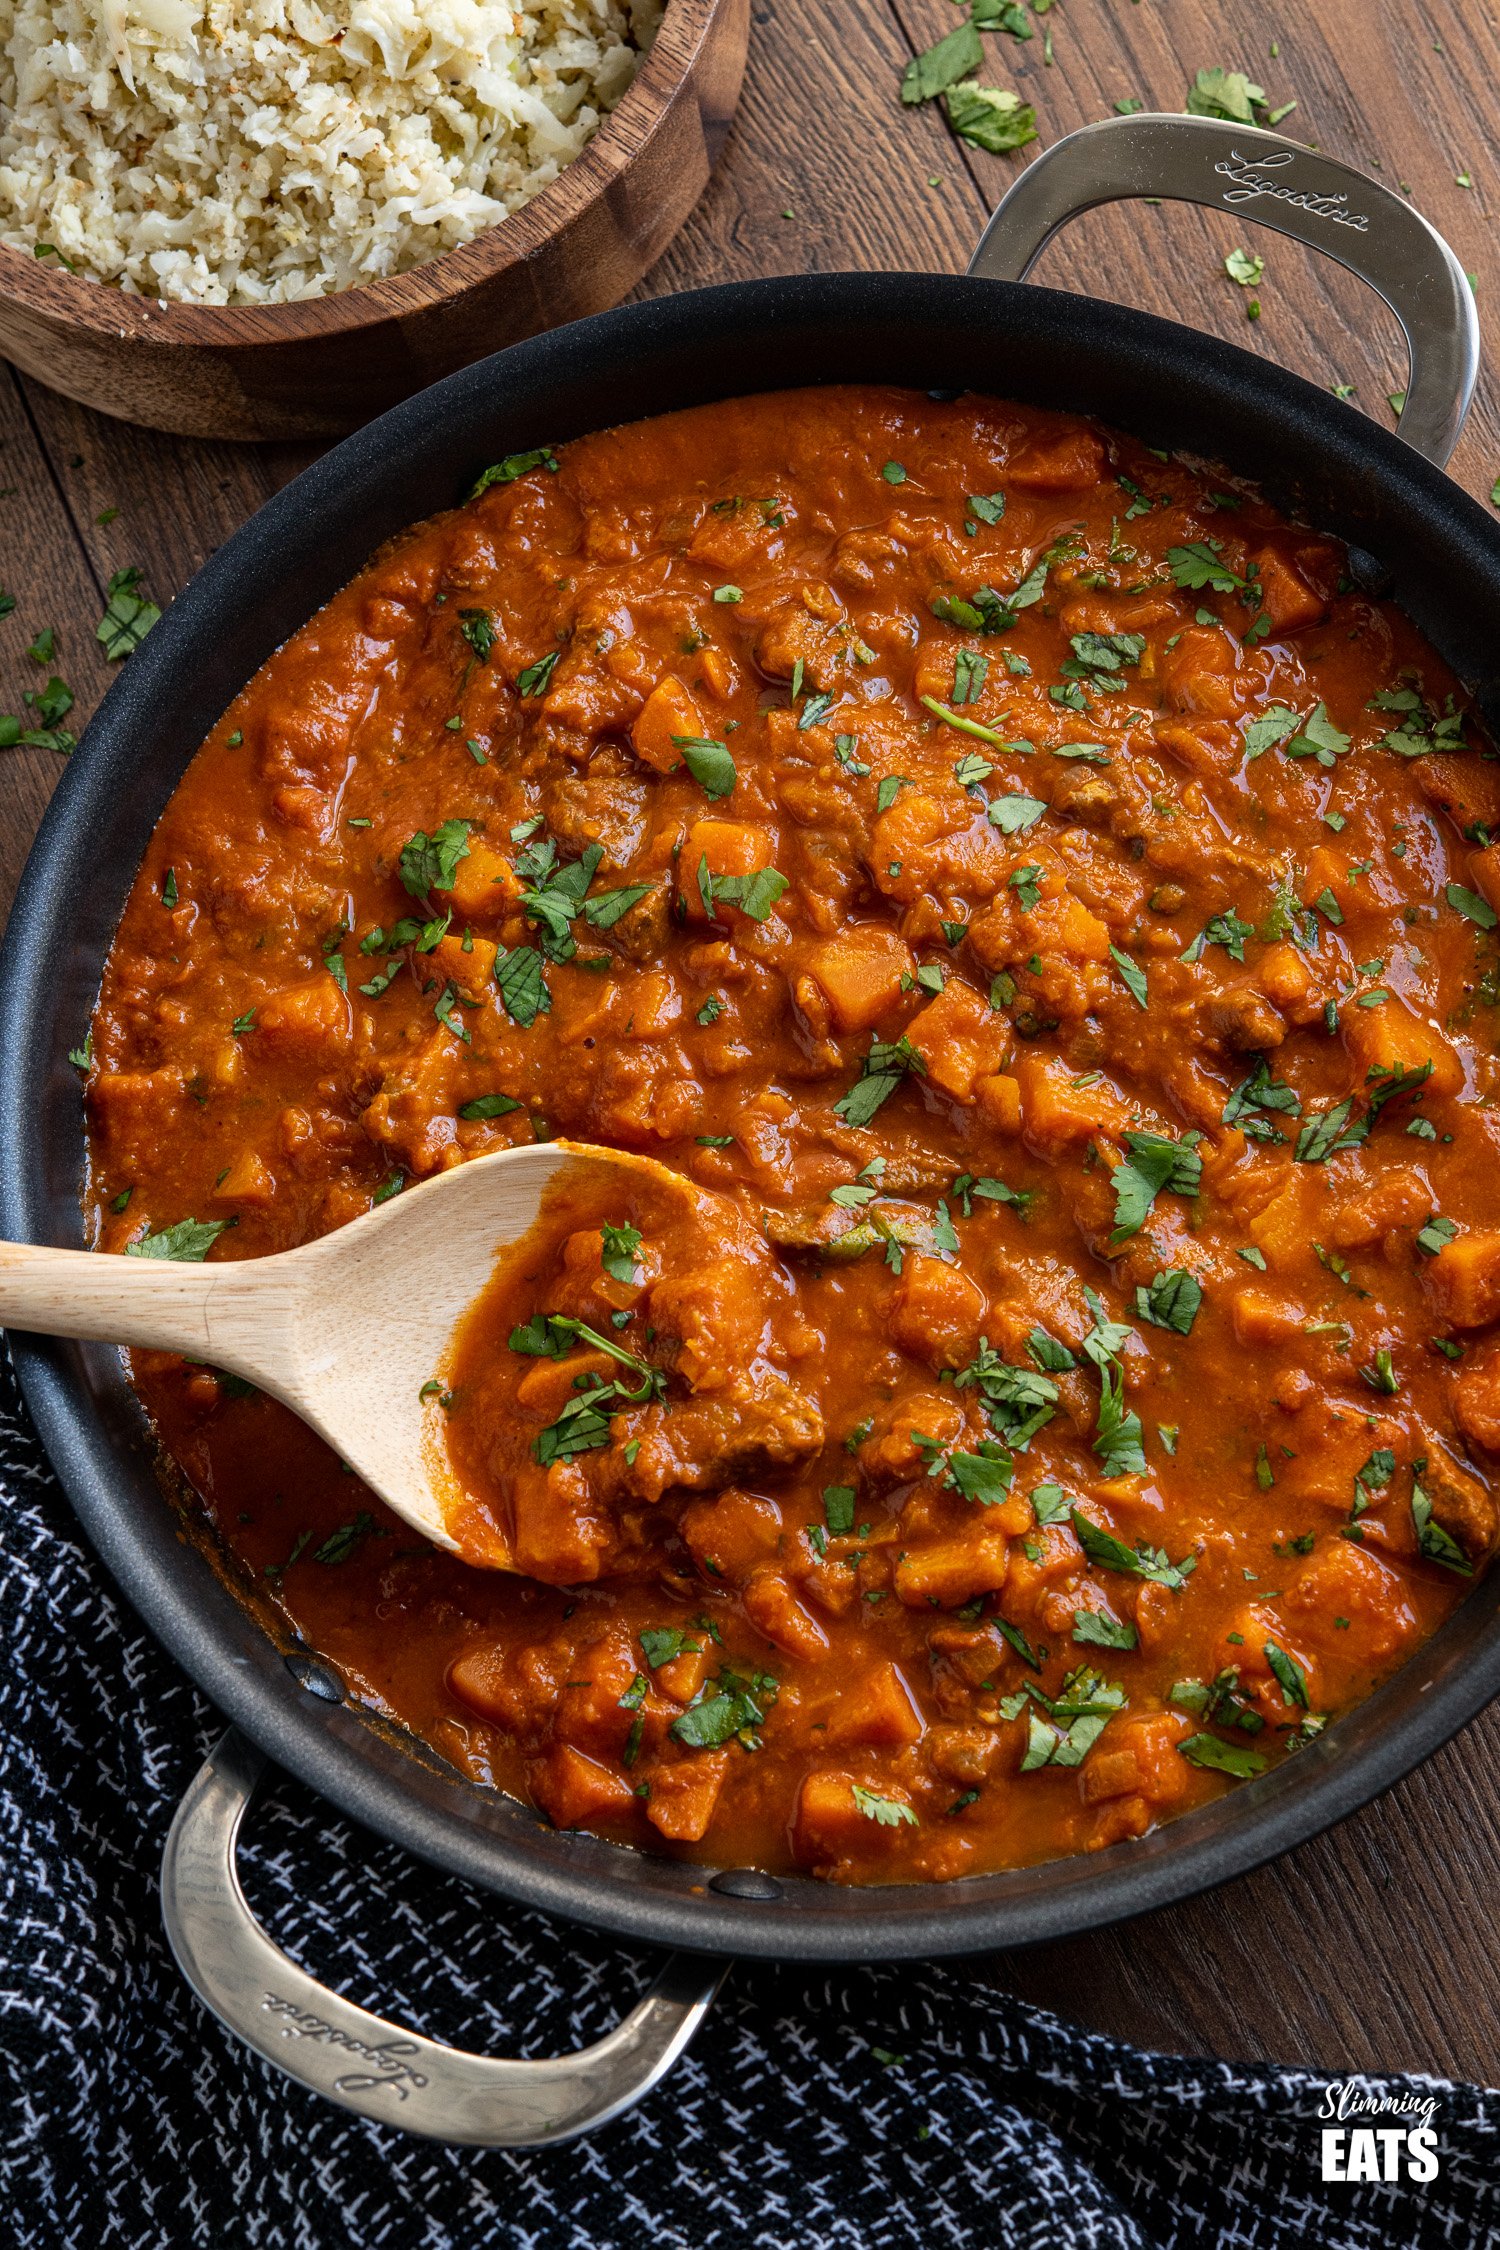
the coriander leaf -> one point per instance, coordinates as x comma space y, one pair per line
989, 508
888, 1812
1095, 1628
618, 1253
478, 629
990, 117
1319, 738
129, 616
985, 1477
739, 1704
1433, 1541
535, 679
1225, 93
1155, 1165
1022, 1646
940, 66
662, 1644
1118, 1442
1272, 727
607, 907
515, 465
582, 1427
1132, 975
1259, 1092
1108, 652
523, 987
1436, 1234
881, 1073
1471, 906
1172, 1301
188, 1242
709, 763
1198, 565
1327, 1131
488, 1105
1013, 815
1102, 1547
429, 863
1289, 1675
1222, 1757
838, 1509
1229, 930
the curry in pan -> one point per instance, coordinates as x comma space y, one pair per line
1046, 913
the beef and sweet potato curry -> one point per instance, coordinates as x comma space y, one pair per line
1047, 916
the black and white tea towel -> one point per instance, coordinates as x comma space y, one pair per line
886, 2109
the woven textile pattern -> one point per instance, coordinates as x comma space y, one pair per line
859, 2110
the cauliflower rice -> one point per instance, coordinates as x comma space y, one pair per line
256, 151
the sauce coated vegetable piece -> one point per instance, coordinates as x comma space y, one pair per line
1050, 916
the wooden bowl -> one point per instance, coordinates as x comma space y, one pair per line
324, 366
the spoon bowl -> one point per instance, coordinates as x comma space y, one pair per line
351, 1331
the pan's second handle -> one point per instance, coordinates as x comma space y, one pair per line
1278, 183
359, 2060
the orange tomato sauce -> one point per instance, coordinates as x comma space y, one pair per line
1046, 912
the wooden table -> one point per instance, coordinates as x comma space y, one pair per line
1374, 1947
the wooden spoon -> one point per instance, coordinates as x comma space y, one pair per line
345, 1330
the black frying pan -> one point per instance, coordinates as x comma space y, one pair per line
1415, 532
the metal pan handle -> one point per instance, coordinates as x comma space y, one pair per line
1277, 183
364, 2063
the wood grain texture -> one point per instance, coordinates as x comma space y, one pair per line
324, 365
1374, 1946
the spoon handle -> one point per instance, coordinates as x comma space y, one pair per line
213, 1313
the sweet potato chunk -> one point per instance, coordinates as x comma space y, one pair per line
828, 1824
683, 1796
1057, 1112
773, 1609
880, 1712
729, 1535
573, 1790
305, 1017
937, 1312
1072, 461
960, 1038
1287, 597
468, 966
558, 1537
1342, 1579
1137, 1757
485, 885
731, 847
950, 1572
669, 710
1390, 1038
1399, 1198
859, 973
247, 1181
1476, 1397
1463, 1280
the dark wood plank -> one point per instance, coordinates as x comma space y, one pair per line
1357, 1951
46, 568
